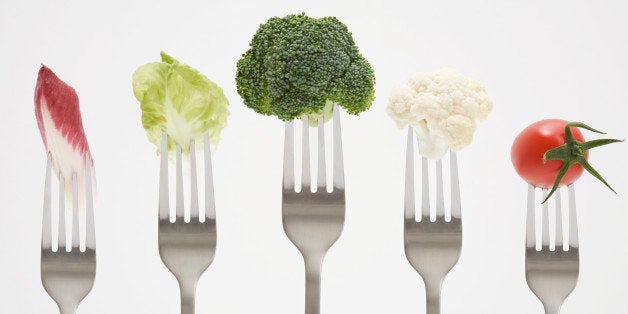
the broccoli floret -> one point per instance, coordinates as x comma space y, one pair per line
298, 64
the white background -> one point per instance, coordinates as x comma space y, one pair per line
538, 59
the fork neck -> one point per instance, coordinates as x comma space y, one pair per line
188, 290
67, 309
552, 308
313, 265
433, 292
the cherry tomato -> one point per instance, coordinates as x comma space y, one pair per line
531, 144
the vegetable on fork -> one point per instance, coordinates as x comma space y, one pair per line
68, 269
442, 108
59, 120
183, 112
300, 67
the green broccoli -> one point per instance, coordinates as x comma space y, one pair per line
298, 65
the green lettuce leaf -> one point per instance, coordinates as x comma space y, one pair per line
177, 99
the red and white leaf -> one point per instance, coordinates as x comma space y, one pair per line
61, 127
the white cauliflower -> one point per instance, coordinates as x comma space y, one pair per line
443, 107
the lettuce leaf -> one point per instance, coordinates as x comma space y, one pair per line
177, 99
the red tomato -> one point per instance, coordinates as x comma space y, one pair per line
531, 144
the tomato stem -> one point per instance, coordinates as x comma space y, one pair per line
573, 152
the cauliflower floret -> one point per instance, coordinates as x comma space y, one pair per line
401, 101
443, 107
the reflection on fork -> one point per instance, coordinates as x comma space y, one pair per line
552, 274
432, 246
67, 273
313, 221
186, 248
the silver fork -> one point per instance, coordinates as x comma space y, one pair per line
313, 221
432, 247
68, 276
552, 274
187, 248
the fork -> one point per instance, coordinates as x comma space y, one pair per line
186, 247
552, 274
67, 274
313, 221
432, 247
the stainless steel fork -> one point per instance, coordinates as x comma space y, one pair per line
313, 221
432, 247
187, 248
68, 273
552, 274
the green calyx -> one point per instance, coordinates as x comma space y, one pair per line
573, 152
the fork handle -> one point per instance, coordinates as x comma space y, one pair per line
313, 285
433, 291
188, 290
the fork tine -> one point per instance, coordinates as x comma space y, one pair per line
455, 186
164, 201
559, 222
425, 191
193, 184
573, 219
339, 173
76, 241
90, 231
440, 202
61, 242
321, 181
210, 205
46, 223
545, 223
288, 157
530, 220
305, 155
180, 209
409, 207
